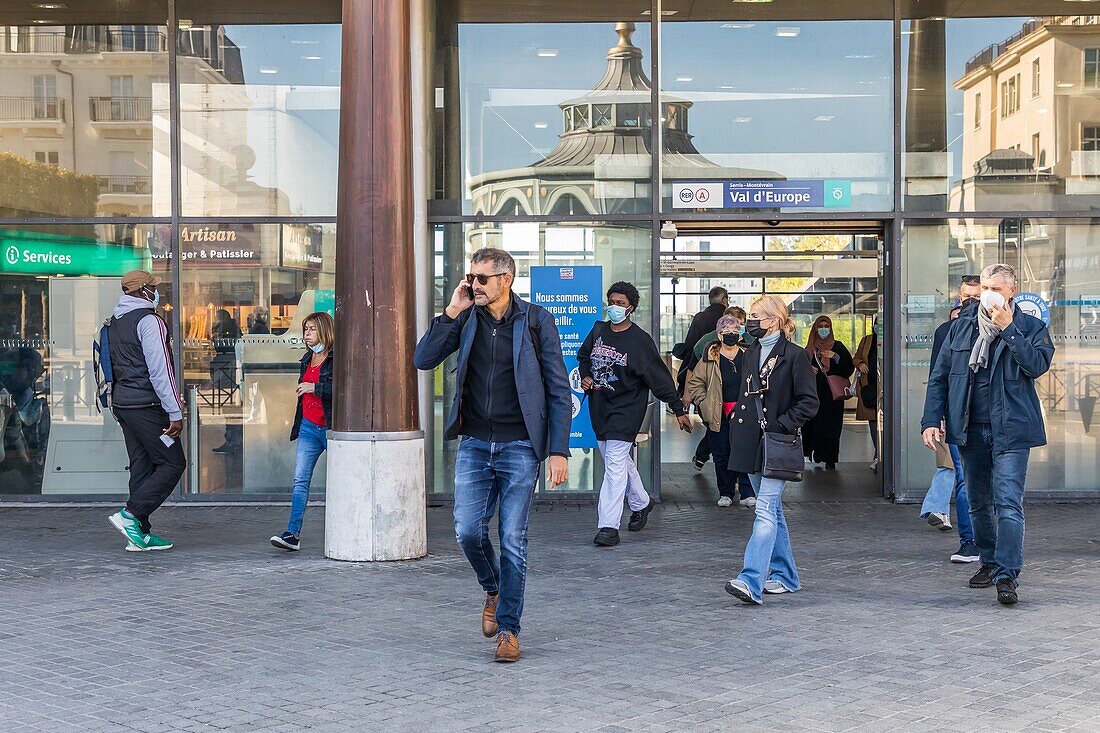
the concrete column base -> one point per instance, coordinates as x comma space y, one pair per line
375, 497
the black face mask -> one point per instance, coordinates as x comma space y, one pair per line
731, 339
753, 328
968, 302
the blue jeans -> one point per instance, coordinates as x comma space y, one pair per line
995, 483
488, 474
728, 480
768, 553
312, 442
945, 484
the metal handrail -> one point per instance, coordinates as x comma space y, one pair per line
58, 42
125, 184
32, 108
121, 109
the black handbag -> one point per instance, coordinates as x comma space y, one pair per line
783, 458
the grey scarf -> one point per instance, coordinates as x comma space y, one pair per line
987, 332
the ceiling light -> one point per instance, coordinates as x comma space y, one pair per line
548, 53
742, 119
750, 1
685, 78
541, 125
44, 21
824, 118
1065, 84
787, 32
49, 6
726, 86
1041, 111
663, 12
918, 89
907, 33
269, 69
298, 42
798, 89
860, 56
1082, 1
311, 58
737, 26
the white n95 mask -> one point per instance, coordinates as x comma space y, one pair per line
992, 299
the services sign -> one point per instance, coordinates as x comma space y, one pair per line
574, 296
35, 253
1033, 304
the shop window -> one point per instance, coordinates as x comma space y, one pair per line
1090, 138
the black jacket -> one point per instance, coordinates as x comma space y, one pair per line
790, 401
322, 390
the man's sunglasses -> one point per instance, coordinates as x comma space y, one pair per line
972, 279
483, 279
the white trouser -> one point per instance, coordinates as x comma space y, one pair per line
620, 476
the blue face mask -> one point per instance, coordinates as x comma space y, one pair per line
616, 313
741, 331
156, 298
823, 333
317, 348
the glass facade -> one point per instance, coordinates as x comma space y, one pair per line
203, 142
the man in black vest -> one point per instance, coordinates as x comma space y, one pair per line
147, 405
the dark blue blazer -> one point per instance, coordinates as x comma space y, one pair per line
545, 399
1021, 355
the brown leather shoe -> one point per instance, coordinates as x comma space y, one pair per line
507, 648
489, 616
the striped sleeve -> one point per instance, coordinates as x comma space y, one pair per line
154, 344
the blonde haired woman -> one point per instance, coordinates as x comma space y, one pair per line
777, 376
311, 420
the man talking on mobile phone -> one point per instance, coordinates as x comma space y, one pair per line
147, 405
512, 409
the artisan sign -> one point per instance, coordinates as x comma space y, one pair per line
219, 244
301, 247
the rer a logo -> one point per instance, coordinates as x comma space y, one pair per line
12, 255
565, 273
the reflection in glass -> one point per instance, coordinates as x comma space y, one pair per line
1055, 266
1001, 114
57, 286
77, 118
811, 104
245, 290
259, 119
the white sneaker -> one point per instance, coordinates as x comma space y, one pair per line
750, 502
774, 587
725, 501
940, 521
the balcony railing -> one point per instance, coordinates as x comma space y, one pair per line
139, 185
84, 39
991, 53
121, 109
26, 109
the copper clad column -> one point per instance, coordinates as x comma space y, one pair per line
375, 495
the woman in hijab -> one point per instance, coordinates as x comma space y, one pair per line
829, 357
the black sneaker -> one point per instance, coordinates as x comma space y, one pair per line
286, 541
698, 463
984, 577
640, 517
968, 552
607, 537
1006, 592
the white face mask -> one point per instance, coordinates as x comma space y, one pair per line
992, 299
317, 348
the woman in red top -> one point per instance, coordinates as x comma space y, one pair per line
312, 419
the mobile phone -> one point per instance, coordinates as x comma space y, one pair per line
168, 441
469, 291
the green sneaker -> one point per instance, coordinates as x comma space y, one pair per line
152, 542
128, 525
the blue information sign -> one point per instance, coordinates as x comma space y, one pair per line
1034, 305
574, 295
762, 194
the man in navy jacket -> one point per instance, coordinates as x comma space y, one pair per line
512, 409
982, 386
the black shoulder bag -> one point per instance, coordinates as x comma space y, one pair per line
783, 458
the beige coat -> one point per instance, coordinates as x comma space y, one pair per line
705, 388
863, 356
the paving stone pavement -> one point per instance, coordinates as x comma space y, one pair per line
226, 633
